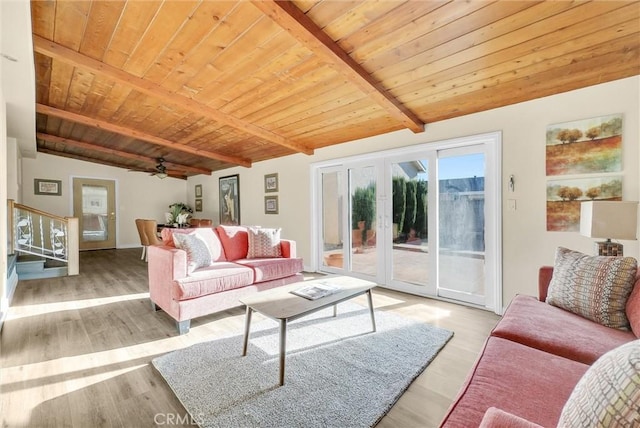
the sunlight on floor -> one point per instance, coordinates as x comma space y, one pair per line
18, 312
57, 377
424, 312
85, 366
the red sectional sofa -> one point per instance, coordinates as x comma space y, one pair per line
532, 361
185, 291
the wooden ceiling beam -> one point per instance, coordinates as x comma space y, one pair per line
174, 174
69, 56
299, 25
128, 132
119, 153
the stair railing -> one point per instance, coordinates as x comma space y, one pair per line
43, 234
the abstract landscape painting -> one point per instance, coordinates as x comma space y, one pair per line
565, 196
585, 146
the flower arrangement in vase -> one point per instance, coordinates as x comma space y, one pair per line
179, 214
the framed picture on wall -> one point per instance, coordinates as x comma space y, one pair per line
198, 205
198, 190
229, 199
271, 204
585, 146
47, 187
564, 197
271, 182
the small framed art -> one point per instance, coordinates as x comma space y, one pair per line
198, 190
271, 204
271, 182
198, 205
47, 187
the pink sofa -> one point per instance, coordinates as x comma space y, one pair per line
184, 293
532, 360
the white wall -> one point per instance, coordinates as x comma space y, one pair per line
526, 243
138, 195
19, 76
4, 297
14, 173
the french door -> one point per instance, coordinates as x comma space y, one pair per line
94, 206
349, 220
424, 220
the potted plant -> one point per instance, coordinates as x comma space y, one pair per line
179, 214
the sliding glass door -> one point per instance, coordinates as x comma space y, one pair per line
461, 224
409, 245
348, 239
423, 220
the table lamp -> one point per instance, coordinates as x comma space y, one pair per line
609, 220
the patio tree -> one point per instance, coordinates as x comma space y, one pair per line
399, 194
410, 213
420, 224
363, 208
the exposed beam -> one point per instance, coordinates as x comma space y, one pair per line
69, 56
128, 132
119, 153
295, 22
174, 174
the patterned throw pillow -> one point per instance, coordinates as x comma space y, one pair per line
594, 287
264, 243
609, 392
198, 254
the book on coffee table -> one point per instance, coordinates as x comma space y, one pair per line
316, 291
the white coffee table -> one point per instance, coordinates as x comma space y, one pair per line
281, 305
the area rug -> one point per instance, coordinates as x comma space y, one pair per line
338, 372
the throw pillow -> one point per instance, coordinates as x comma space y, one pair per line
264, 243
608, 394
234, 241
594, 287
167, 235
633, 308
198, 254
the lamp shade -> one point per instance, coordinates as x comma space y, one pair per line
609, 219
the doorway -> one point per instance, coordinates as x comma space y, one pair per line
423, 219
94, 206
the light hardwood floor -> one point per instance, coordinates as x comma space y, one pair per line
76, 351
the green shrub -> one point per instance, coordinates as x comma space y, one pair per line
410, 212
363, 208
399, 194
422, 203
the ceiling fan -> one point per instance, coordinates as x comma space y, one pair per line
160, 170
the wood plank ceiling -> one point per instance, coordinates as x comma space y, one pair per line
210, 84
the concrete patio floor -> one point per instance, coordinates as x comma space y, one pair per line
459, 270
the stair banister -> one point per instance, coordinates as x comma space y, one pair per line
62, 231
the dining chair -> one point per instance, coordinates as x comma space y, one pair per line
151, 231
144, 241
